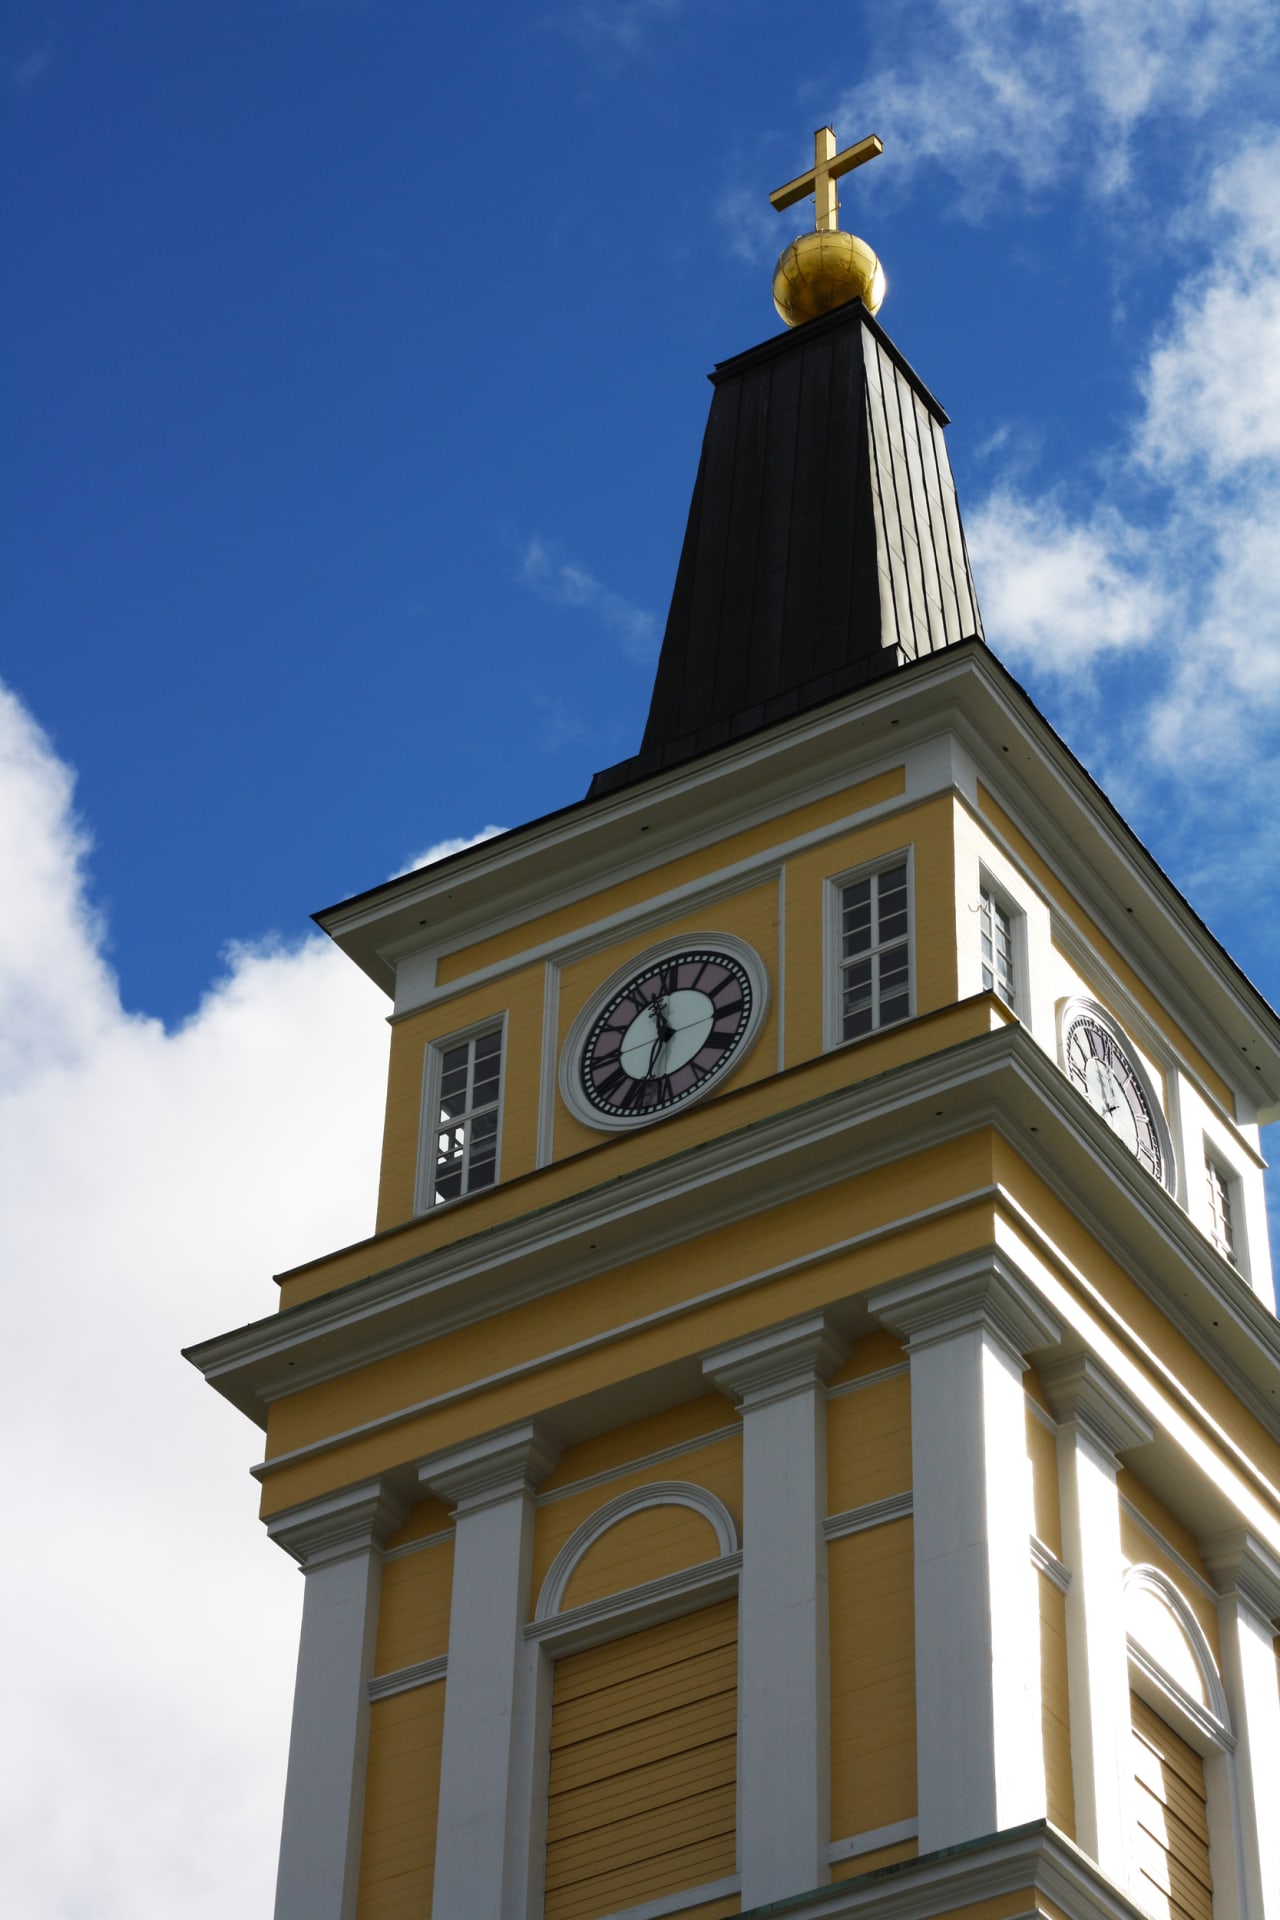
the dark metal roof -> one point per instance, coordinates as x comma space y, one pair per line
823, 548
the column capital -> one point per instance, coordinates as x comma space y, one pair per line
1082, 1391
495, 1467
337, 1525
1241, 1564
986, 1294
778, 1362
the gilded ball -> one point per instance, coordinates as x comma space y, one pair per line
819, 271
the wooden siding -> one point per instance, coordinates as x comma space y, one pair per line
643, 1766
873, 1696
402, 1792
869, 1443
641, 1546
1173, 1828
873, 1861
413, 1611
1055, 1711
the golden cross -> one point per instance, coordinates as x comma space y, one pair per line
821, 179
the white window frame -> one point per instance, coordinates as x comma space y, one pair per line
424, 1200
1020, 1004
833, 1021
1233, 1195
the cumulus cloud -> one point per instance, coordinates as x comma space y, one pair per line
545, 571
441, 849
152, 1182
1018, 92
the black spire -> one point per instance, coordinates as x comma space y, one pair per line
823, 548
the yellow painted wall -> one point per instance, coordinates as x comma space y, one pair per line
641, 1546
688, 1424
1139, 1549
873, 1697
643, 1766
627, 895
1120, 967
716, 1466
929, 831
1042, 1451
402, 1792
1055, 1708
610, 1305
869, 1442
413, 1613
739, 1106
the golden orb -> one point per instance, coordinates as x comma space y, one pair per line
819, 271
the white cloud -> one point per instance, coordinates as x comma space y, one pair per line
547, 573
152, 1183
1024, 91
441, 849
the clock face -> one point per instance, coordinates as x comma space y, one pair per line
1117, 1088
661, 1035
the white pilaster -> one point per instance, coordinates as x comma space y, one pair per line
980, 1752
1248, 1580
784, 1798
337, 1540
490, 1483
1098, 1421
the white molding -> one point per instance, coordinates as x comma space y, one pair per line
423, 1673
780, 1005
583, 1021
491, 1481
339, 1526
657, 1458
668, 1598
979, 1740
336, 1539
547, 1064
774, 1364
873, 1839
777, 1377
491, 1469
657, 1493
875, 1513
1080, 1389
1046, 1561
1249, 1577
1213, 1715
777, 1158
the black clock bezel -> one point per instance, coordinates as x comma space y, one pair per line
740, 958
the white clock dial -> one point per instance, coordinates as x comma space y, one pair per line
663, 1031
1097, 1059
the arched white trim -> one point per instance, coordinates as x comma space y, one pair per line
659, 1493
1151, 1580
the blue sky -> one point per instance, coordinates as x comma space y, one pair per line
354, 364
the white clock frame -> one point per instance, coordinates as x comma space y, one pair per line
1080, 1007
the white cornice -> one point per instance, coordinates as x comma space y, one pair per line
1082, 1390
1021, 760
1001, 1079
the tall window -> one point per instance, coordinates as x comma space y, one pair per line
996, 927
463, 1087
1221, 1231
875, 952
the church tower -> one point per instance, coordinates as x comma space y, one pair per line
804, 1436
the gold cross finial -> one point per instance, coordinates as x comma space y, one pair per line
821, 179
